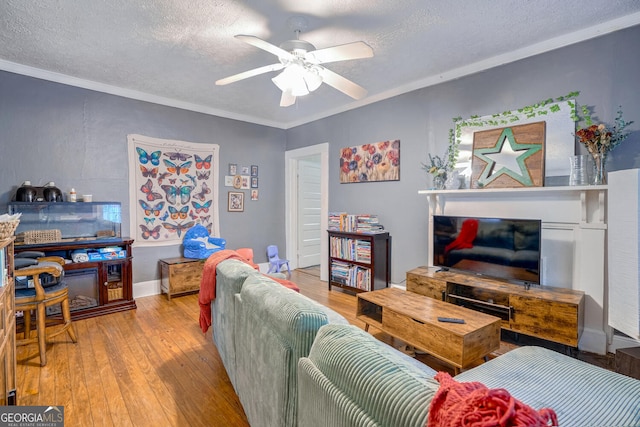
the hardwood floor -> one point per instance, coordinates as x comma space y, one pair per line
153, 365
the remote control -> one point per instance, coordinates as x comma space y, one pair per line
450, 320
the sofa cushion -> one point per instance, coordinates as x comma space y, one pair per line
352, 379
581, 394
274, 327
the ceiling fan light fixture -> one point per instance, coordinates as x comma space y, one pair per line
298, 80
301, 65
313, 79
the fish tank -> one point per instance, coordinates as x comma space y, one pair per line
75, 221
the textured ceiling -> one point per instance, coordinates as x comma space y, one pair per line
172, 51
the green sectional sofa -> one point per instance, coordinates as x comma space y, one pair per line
294, 362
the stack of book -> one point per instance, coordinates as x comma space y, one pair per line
362, 223
351, 275
335, 220
351, 249
368, 224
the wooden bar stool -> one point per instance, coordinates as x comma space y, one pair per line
45, 293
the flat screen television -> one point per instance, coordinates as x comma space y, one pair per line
501, 248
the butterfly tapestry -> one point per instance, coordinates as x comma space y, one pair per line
172, 184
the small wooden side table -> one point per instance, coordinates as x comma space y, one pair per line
180, 276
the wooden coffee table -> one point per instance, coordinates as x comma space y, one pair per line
413, 318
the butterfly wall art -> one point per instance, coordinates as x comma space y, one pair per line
173, 186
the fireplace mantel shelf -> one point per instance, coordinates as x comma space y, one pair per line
591, 197
551, 189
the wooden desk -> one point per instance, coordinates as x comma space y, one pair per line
180, 275
413, 318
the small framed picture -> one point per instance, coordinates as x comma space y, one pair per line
254, 170
236, 201
254, 182
228, 181
245, 182
245, 170
254, 194
237, 182
233, 169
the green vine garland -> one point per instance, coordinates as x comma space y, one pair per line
541, 108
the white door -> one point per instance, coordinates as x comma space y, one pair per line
309, 204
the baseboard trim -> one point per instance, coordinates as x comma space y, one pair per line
622, 342
146, 289
152, 287
593, 341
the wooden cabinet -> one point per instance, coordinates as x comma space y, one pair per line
550, 313
7, 326
359, 262
180, 275
96, 287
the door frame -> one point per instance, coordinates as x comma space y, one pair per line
291, 202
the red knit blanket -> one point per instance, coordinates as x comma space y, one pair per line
472, 404
208, 283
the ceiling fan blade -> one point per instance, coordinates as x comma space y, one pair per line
345, 86
355, 50
264, 45
249, 73
287, 99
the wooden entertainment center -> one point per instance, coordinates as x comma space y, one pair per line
551, 313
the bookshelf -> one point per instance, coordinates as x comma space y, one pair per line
359, 261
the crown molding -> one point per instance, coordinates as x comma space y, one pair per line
128, 93
532, 50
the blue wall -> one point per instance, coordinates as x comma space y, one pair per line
77, 138
605, 70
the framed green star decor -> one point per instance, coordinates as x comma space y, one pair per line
509, 157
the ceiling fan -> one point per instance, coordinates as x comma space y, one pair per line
301, 64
